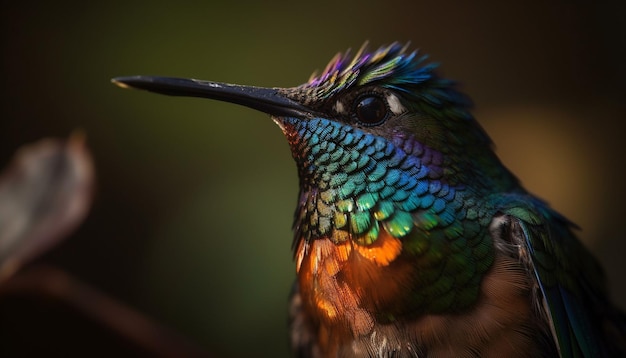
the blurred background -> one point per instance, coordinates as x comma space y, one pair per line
191, 220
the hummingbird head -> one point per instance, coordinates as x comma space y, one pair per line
393, 94
380, 140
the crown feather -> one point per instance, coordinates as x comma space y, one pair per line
390, 66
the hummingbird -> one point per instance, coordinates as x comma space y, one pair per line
411, 238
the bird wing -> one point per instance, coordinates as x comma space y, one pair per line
569, 281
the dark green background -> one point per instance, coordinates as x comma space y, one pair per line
193, 208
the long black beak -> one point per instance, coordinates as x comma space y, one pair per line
268, 100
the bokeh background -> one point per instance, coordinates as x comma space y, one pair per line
191, 220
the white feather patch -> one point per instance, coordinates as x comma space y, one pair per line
394, 104
339, 107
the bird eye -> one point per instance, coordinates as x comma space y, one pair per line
371, 110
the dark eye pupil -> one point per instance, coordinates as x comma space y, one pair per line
371, 110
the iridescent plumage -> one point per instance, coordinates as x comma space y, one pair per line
411, 238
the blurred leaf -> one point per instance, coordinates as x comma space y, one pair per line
45, 192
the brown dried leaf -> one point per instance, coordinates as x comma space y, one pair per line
45, 192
